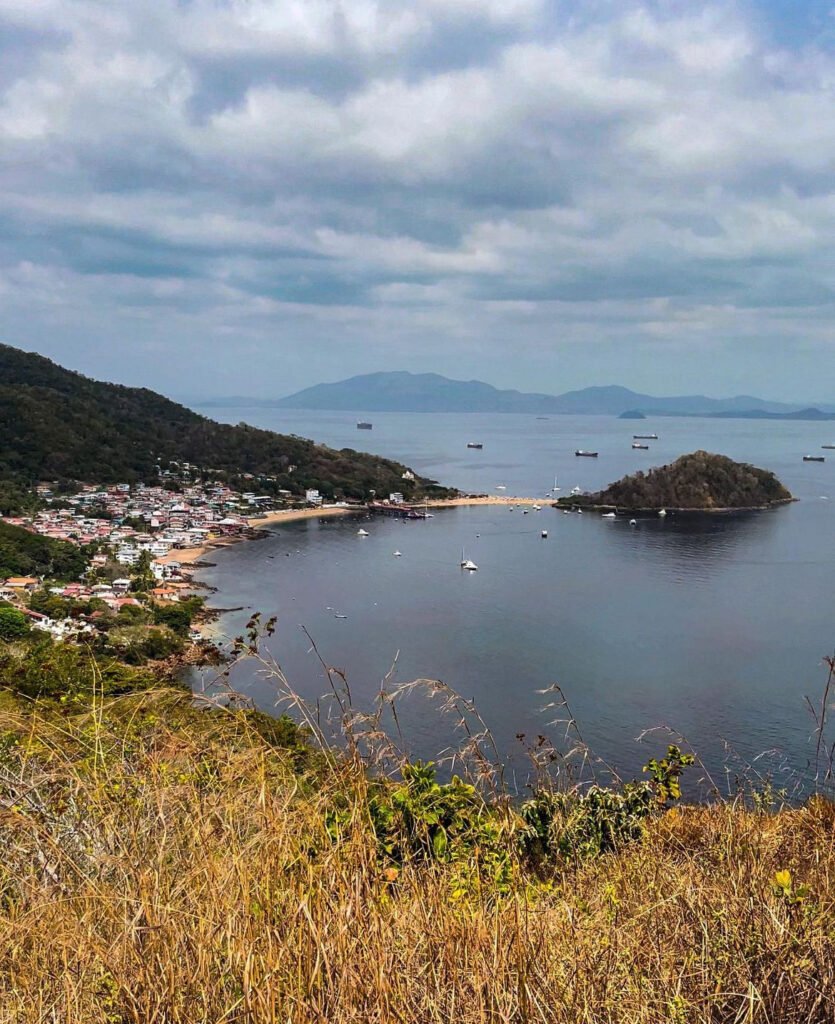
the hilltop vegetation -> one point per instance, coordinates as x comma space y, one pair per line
59, 425
27, 554
700, 481
164, 862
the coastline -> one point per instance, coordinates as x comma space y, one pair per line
189, 556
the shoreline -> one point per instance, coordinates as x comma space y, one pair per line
673, 510
190, 556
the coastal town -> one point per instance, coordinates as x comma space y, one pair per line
142, 545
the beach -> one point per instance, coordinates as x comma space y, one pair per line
188, 556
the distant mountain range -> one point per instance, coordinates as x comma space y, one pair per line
430, 392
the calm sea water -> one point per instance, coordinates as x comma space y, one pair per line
715, 627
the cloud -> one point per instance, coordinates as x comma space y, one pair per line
432, 184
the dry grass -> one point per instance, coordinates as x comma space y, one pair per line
185, 874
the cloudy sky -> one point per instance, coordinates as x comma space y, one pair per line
218, 197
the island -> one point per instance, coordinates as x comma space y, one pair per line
632, 414
696, 483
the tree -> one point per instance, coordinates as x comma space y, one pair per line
13, 624
143, 576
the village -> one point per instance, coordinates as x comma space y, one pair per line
134, 533
143, 542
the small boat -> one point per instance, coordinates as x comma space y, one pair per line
585, 455
362, 533
566, 511
554, 489
608, 515
364, 425
828, 446
643, 447
525, 511
645, 437
544, 534
336, 615
576, 490
474, 444
814, 458
537, 508
500, 487
397, 554
511, 507
467, 563
633, 522
662, 512
579, 511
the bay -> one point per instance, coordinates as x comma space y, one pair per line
715, 627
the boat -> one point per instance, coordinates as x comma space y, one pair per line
554, 489
645, 437
585, 455
829, 446
608, 515
468, 563
814, 458
362, 533
364, 425
500, 487
525, 511
537, 508
397, 554
643, 447
474, 444
576, 490
544, 534
511, 507
579, 511
633, 522
662, 512
566, 511
336, 615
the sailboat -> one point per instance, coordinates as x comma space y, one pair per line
362, 533
467, 563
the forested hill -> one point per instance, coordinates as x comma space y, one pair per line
26, 554
700, 480
59, 425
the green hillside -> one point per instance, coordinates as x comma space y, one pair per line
26, 554
59, 425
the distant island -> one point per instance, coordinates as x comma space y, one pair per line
699, 482
632, 414
430, 392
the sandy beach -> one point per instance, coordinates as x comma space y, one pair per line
188, 556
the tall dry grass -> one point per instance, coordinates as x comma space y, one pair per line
163, 865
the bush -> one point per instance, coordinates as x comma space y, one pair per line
13, 624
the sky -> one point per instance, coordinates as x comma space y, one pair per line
246, 197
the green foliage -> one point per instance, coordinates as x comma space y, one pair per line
59, 670
667, 772
27, 554
700, 480
178, 617
581, 825
13, 624
58, 425
423, 820
142, 577
570, 826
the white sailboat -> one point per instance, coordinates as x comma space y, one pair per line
467, 563
362, 533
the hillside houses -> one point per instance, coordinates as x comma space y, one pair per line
131, 521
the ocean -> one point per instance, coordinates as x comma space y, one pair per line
710, 629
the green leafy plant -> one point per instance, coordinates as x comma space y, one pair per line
667, 772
